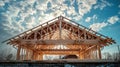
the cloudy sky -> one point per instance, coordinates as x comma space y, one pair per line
102, 16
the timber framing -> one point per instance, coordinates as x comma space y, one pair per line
59, 36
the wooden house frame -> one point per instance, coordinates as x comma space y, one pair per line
59, 36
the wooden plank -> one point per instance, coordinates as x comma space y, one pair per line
59, 49
67, 41
18, 53
99, 52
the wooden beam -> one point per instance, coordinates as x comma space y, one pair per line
67, 41
88, 49
59, 49
26, 54
99, 52
40, 56
60, 27
18, 53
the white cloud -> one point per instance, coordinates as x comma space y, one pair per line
58, 5
13, 27
77, 17
26, 14
119, 6
85, 6
46, 17
88, 19
113, 19
41, 6
71, 11
72, 2
98, 26
102, 4
30, 1
2, 2
31, 11
93, 18
30, 22
13, 10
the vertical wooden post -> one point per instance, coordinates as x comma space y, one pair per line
99, 52
30, 55
84, 34
18, 53
33, 55
37, 56
41, 56
26, 58
96, 52
83, 55
60, 27
79, 56
21, 53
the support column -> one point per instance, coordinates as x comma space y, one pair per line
80, 55
30, 54
26, 58
18, 53
84, 35
33, 55
24, 54
99, 52
37, 56
21, 52
83, 55
96, 53
41, 57
60, 27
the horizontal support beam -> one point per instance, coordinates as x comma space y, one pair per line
60, 49
58, 52
59, 42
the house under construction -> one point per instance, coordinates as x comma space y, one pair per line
59, 36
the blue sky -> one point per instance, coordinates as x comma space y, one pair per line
102, 16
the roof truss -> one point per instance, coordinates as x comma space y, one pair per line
59, 26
